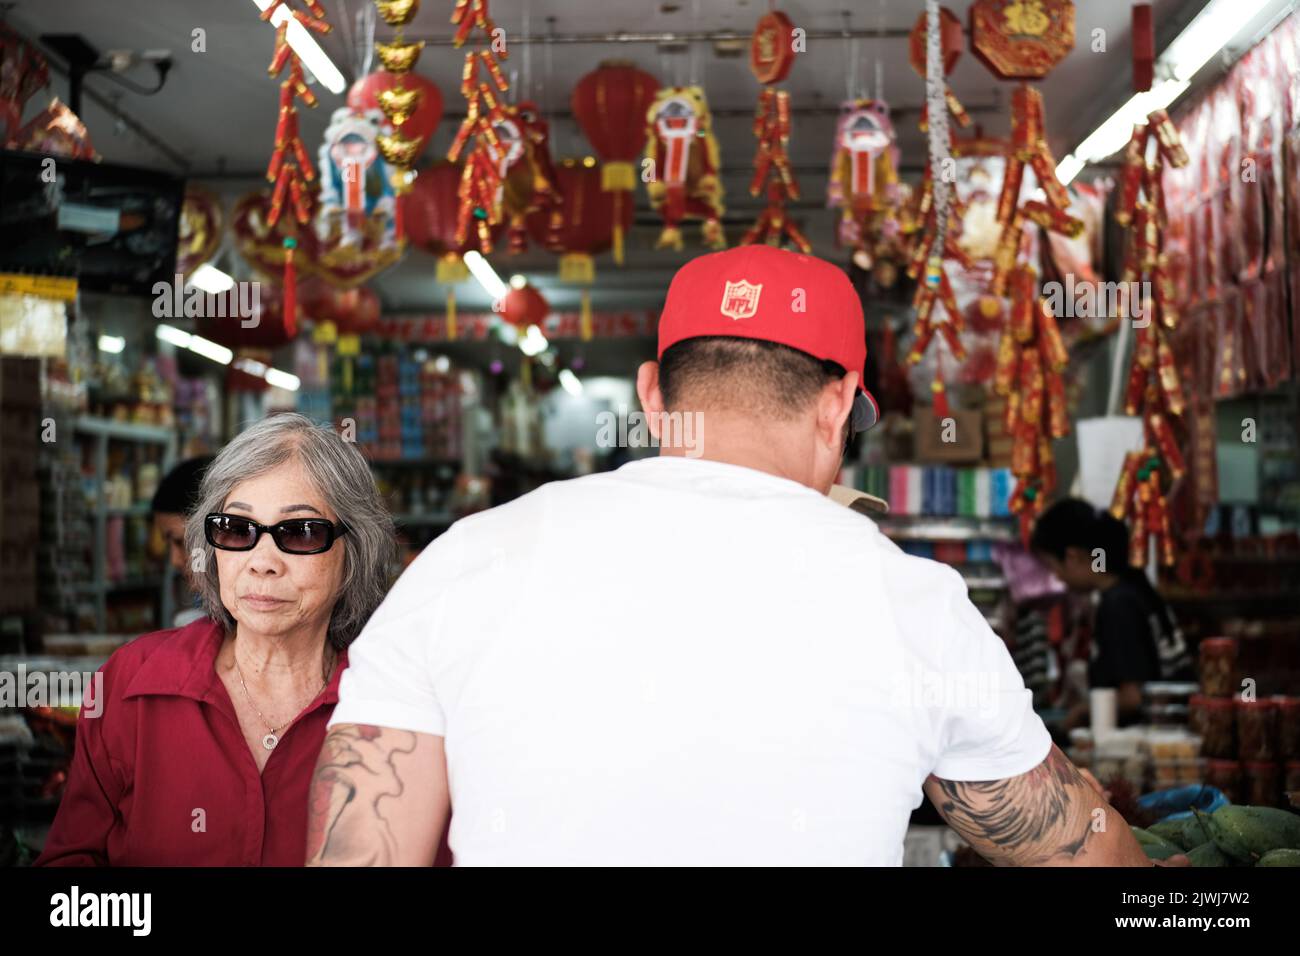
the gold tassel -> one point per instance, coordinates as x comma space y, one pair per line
451, 315
584, 315
577, 267
618, 176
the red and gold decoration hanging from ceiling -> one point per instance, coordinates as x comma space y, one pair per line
864, 186
290, 167
771, 54
1031, 361
610, 104
482, 83
1022, 39
411, 104
200, 229
23, 71
584, 227
1154, 392
685, 160
938, 212
528, 182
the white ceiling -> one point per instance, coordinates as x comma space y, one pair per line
217, 111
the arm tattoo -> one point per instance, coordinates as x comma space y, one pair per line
345, 822
1040, 817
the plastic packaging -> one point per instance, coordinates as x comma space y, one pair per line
1218, 666
1214, 718
1255, 729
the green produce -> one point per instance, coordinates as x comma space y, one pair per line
1247, 833
1207, 854
1283, 857
1153, 846
1186, 832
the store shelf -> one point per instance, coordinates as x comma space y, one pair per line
946, 528
985, 582
125, 431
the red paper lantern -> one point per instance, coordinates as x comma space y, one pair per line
610, 105
420, 122
586, 213
524, 307
261, 245
269, 331
771, 48
1021, 41
429, 211
353, 311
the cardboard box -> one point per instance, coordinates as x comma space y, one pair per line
945, 442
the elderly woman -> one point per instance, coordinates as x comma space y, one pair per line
209, 734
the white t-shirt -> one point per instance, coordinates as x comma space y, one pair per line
687, 662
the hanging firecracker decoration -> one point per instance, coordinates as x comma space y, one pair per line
1031, 360
950, 49
482, 83
586, 227
685, 160
290, 167
1028, 149
411, 103
23, 71
771, 54
1154, 391
938, 210
864, 183
528, 181
610, 104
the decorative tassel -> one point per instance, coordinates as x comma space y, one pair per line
584, 315
451, 315
290, 288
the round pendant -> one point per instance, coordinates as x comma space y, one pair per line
269, 741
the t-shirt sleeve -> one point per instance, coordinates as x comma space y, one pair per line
1123, 639
988, 729
389, 681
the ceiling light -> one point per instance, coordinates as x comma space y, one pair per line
486, 275
309, 51
569, 382
533, 342
518, 281
111, 343
210, 350
1211, 30
282, 379
211, 280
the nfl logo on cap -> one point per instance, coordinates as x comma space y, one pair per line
740, 299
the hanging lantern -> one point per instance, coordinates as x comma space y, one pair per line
524, 307
583, 229
610, 105
350, 311
411, 103
269, 327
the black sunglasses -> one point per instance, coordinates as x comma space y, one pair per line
295, 536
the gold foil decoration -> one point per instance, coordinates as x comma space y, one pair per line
398, 57
398, 13
397, 149
398, 103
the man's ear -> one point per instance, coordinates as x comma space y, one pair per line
834, 406
652, 399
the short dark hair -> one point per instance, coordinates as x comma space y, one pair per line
769, 379
1074, 523
178, 492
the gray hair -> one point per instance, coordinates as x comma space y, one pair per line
340, 473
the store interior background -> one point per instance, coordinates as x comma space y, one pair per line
98, 577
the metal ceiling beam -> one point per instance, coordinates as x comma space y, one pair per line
669, 37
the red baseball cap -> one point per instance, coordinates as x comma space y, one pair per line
761, 292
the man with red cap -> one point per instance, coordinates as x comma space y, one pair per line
698, 658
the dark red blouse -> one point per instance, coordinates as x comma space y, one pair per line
163, 777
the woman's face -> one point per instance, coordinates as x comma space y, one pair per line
266, 590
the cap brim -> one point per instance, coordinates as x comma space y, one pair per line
865, 411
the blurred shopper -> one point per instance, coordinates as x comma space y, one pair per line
173, 500
207, 737
1134, 637
698, 658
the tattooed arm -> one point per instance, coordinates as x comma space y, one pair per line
1050, 816
378, 798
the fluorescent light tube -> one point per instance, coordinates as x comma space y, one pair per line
482, 270
308, 50
211, 280
111, 343
569, 382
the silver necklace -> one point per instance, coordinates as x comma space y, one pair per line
273, 735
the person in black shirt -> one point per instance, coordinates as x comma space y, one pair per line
1134, 637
